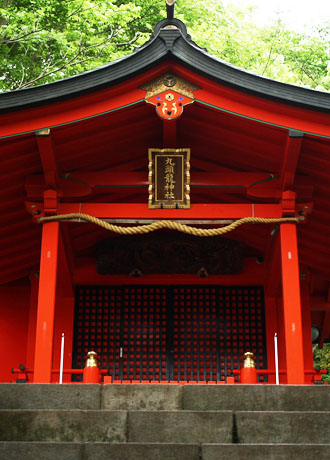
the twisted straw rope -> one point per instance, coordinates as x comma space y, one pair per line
169, 224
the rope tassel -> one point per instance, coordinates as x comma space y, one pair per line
169, 224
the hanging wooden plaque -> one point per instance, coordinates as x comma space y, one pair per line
169, 178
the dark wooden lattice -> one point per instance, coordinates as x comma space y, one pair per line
176, 333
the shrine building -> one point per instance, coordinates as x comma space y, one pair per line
122, 194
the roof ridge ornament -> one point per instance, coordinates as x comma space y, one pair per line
169, 93
170, 4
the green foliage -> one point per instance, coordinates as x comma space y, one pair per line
43, 41
322, 360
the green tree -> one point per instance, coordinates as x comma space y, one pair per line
322, 360
43, 41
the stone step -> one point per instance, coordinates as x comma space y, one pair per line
165, 426
150, 451
264, 452
50, 396
41, 451
142, 397
283, 427
166, 397
257, 397
136, 451
116, 426
180, 426
63, 425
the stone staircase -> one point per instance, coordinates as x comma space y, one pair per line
164, 422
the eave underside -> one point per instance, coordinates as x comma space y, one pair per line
119, 141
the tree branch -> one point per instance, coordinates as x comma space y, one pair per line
21, 38
60, 66
136, 36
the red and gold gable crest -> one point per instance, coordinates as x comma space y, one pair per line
169, 94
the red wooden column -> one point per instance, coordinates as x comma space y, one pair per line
31, 337
46, 303
292, 304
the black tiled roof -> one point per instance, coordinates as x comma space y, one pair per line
165, 43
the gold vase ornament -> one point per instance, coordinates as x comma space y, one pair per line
91, 360
249, 359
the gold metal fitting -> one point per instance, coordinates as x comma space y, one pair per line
91, 360
249, 359
43, 132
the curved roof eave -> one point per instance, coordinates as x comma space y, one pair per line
87, 82
165, 42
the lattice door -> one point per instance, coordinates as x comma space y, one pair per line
144, 333
180, 333
213, 327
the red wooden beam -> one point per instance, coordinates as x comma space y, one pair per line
196, 212
254, 185
48, 160
122, 178
169, 133
82, 183
290, 159
292, 304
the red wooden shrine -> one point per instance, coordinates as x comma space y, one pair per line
259, 148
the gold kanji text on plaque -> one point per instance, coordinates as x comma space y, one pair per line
169, 178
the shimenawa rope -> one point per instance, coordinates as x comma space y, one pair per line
169, 224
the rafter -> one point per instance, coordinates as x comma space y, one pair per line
290, 159
48, 159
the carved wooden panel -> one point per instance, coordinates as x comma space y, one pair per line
169, 252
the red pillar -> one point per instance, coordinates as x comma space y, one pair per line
292, 304
31, 338
46, 303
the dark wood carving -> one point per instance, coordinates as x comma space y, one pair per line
169, 252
